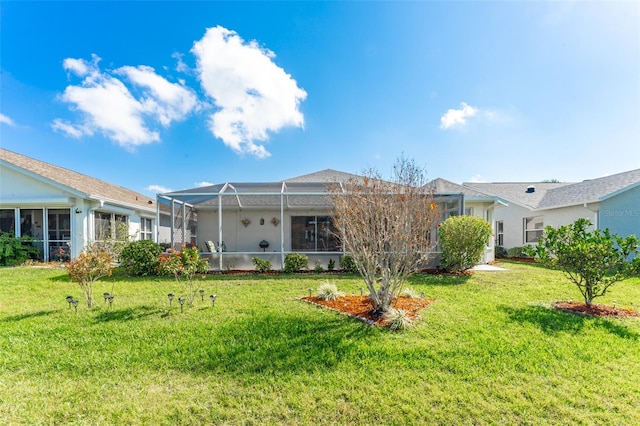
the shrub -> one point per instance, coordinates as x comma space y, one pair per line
329, 291
92, 264
462, 241
294, 262
397, 319
518, 252
318, 266
500, 252
347, 264
140, 258
184, 265
331, 265
593, 261
15, 250
262, 265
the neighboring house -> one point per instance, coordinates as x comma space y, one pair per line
527, 207
64, 210
235, 222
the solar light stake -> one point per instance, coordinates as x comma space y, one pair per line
110, 301
422, 295
213, 300
106, 296
202, 294
310, 292
75, 304
69, 299
361, 291
181, 300
170, 296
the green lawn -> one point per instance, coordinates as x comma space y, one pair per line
489, 351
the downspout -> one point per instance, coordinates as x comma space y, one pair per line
157, 224
596, 213
220, 225
282, 225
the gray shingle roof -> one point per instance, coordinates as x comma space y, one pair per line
443, 186
554, 195
326, 175
77, 182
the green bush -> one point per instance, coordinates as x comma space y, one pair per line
347, 264
294, 262
331, 265
262, 265
500, 252
518, 252
462, 241
140, 258
15, 250
593, 260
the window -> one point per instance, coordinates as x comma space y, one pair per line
313, 233
146, 229
499, 233
8, 221
533, 228
110, 226
468, 211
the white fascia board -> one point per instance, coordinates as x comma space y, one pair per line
72, 191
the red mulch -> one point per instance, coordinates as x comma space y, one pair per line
596, 310
361, 306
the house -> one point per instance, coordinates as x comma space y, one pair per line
525, 208
64, 210
236, 221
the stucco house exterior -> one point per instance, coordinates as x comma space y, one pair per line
64, 210
525, 208
235, 221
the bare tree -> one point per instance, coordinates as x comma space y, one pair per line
385, 226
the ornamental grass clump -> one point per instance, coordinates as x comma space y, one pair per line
329, 291
409, 293
397, 319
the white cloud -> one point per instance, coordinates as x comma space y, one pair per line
107, 105
158, 189
457, 117
203, 184
6, 120
166, 101
477, 178
180, 66
253, 94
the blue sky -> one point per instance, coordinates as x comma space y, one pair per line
158, 96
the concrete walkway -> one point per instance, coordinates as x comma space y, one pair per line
488, 268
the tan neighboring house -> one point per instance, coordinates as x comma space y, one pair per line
63, 210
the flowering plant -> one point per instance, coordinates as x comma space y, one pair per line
183, 265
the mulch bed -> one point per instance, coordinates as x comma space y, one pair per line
595, 310
360, 307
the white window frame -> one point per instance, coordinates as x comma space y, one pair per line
146, 228
533, 228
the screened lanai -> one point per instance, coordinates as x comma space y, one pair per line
235, 222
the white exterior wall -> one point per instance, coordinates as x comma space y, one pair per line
513, 217
484, 210
22, 191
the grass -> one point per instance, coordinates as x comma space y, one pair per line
488, 351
